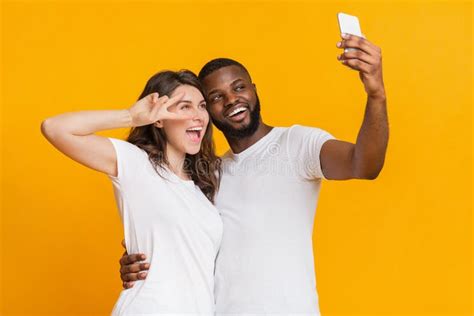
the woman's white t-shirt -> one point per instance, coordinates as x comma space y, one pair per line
176, 227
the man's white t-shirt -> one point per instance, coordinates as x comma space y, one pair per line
176, 227
267, 199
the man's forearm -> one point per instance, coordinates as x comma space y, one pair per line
372, 140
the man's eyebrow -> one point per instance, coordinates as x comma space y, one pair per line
213, 91
237, 80
232, 83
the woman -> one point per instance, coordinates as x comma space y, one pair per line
165, 177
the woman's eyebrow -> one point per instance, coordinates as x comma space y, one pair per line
190, 102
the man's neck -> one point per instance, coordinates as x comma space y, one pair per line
240, 144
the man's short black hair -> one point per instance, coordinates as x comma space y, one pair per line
217, 64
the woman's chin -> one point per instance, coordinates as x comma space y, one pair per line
193, 150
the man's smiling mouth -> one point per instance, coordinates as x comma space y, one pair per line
236, 111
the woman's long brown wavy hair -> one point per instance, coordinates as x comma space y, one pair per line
203, 167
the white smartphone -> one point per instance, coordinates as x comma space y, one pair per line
349, 24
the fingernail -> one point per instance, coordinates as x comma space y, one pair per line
344, 35
338, 44
142, 257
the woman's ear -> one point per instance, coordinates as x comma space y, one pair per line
158, 124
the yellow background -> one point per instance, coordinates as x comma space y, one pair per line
399, 245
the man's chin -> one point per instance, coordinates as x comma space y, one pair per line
241, 130
238, 126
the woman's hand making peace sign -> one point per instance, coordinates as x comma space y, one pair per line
153, 108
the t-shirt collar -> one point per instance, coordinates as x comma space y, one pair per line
249, 150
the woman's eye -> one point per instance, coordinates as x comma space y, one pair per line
202, 105
185, 107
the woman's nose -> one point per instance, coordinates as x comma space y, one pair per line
195, 115
203, 116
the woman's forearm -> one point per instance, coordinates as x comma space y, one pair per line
86, 122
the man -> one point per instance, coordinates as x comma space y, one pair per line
270, 186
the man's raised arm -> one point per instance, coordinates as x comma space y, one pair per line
363, 160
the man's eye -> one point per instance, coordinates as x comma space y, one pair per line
216, 97
238, 88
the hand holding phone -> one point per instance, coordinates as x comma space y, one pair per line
367, 59
349, 24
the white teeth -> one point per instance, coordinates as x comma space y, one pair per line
237, 110
195, 129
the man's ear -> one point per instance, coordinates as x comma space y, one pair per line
254, 87
158, 124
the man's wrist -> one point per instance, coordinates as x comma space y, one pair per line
379, 96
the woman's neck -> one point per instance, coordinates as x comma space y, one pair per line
176, 161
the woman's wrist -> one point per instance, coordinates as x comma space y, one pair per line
127, 118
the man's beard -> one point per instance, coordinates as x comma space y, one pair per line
245, 131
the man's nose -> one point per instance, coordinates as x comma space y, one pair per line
231, 99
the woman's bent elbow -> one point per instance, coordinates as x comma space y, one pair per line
48, 128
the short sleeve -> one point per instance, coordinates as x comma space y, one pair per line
130, 160
304, 148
